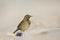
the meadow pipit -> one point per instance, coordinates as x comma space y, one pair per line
24, 24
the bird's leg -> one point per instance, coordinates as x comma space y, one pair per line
15, 30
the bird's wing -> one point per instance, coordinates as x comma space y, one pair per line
20, 24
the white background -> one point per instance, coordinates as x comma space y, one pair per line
45, 20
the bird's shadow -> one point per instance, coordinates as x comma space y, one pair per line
19, 34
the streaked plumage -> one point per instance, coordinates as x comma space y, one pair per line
24, 25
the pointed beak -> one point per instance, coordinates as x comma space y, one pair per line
30, 16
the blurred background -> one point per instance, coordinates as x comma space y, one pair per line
46, 13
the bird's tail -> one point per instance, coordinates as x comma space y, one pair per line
15, 31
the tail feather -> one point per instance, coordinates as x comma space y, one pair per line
15, 31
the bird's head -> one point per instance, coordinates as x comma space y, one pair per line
27, 17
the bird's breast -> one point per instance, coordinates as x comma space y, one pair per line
25, 26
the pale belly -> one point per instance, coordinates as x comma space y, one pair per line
25, 26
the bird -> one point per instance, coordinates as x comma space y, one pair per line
24, 24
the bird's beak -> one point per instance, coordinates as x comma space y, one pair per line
30, 16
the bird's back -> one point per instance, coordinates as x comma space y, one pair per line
24, 25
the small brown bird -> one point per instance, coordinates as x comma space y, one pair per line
24, 25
